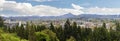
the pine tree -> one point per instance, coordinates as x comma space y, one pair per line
40, 28
67, 29
52, 27
104, 25
117, 26
79, 36
31, 36
74, 30
20, 32
1, 22
60, 33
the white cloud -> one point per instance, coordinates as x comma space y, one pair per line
77, 7
1, 1
25, 9
40, 0
103, 11
3, 15
41, 10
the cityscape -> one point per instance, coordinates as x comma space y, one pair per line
59, 20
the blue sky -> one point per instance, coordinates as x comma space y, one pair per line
83, 3
58, 7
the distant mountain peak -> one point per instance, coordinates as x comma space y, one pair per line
69, 14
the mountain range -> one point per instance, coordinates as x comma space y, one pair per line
66, 16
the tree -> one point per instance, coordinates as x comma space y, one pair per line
79, 36
52, 27
100, 34
42, 36
67, 29
40, 28
67, 24
117, 26
21, 32
1, 22
10, 37
104, 25
113, 35
86, 34
74, 30
31, 35
71, 39
46, 35
60, 33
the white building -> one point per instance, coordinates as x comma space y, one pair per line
11, 24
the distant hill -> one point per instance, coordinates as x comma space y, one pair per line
87, 16
66, 16
24, 18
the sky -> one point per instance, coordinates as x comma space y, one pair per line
58, 7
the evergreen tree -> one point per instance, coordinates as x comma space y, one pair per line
40, 28
117, 26
31, 36
113, 35
104, 25
67, 29
79, 36
71, 39
20, 32
1, 22
74, 30
100, 34
52, 27
60, 34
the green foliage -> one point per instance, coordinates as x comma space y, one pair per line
47, 35
67, 29
23, 40
40, 28
52, 27
70, 32
1, 22
60, 33
117, 26
104, 25
31, 33
71, 39
42, 36
1, 31
101, 34
9, 37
